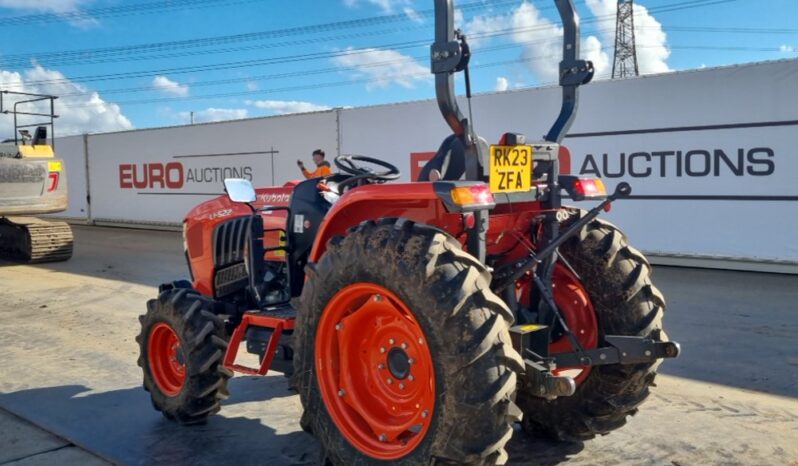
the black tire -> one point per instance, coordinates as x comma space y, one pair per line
203, 344
465, 324
617, 278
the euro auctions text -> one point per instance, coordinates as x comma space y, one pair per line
174, 175
758, 161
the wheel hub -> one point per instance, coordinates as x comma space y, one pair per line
398, 363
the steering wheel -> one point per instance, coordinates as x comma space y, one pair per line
346, 163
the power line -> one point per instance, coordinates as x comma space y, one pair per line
304, 29
328, 70
356, 35
415, 76
318, 55
237, 38
104, 55
88, 14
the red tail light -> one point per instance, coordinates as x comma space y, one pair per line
477, 194
589, 187
52, 179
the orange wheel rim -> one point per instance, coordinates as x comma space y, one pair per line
576, 307
375, 371
166, 359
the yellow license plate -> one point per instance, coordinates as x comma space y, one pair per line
510, 168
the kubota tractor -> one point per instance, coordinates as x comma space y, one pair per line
419, 321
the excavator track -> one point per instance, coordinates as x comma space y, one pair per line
33, 240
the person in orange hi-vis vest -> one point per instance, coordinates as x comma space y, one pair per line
322, 166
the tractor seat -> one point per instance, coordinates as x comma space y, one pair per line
331, 181
449, 161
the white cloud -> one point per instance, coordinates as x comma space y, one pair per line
412, 14
214, 114
388, 6
483, 25
383, 67
281, 107
52, 6
68, 9
502, 84
542, 44
80, 110
540, 40
458, 17
162, 83
787, 48
650, 38
252, 86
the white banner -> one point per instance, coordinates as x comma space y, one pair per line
710, 154
158, 175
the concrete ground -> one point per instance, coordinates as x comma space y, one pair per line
23, 444
68, 366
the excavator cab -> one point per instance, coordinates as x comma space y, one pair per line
32, 182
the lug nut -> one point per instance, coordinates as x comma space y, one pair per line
390, 341
410, 361
389, 380
404, 345
341, 392
424, 413
339, 326
380, 366
377, 298
401, 386
383, 438
382, 349
410, 377
420, 341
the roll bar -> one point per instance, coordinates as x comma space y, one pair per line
573, 71
447, 57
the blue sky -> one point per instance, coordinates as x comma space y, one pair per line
226, 59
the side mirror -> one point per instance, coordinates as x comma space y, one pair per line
239, 190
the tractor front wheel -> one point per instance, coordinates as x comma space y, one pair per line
403, 353
181, 346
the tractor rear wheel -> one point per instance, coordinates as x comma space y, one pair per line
403, 353
181, 346
616, 278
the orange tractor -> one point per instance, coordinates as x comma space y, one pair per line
419, 321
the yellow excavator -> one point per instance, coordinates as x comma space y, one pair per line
32, 182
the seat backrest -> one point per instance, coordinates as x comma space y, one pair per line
449, 161
40, 136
